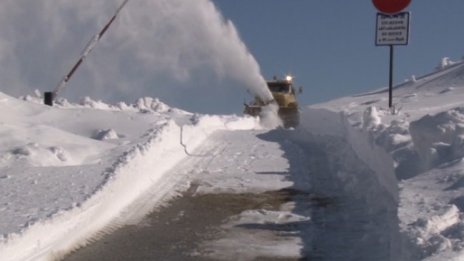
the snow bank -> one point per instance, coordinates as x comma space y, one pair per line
431, 212
439, 138
358, 174
125, 160
145, 104
325, 122
321, 121
419, 145
126, 179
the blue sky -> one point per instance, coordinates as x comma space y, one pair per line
181, 51
329, 45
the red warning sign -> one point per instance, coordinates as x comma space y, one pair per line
391, 6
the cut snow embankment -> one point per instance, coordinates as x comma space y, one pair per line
423, 156
417, 144
119, 173
325, 122
359, 176
431, 203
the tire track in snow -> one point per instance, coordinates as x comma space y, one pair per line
166, 188
253, 172
351, 216
171, 185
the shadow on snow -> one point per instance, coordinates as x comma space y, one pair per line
351, 216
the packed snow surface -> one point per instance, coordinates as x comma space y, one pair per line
395, 175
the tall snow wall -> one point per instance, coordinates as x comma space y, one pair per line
327, 123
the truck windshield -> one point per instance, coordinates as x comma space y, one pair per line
280, 87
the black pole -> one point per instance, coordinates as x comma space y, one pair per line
48, 98
390, 84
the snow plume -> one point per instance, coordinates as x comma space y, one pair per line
161, 48
269, 116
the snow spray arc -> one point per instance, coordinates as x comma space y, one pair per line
152, 45
50, 96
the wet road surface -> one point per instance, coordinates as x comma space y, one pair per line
177, 231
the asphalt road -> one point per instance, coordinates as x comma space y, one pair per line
177, 231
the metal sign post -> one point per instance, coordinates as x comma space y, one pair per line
390, 79
392, 30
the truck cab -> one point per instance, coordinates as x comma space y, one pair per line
284, 95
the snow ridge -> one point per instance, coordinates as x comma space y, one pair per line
140, 165
415, 152
83, 221
361, 178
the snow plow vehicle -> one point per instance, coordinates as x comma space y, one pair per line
284, 96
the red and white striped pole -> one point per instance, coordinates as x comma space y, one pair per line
50, 96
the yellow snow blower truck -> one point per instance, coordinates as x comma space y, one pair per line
284, 96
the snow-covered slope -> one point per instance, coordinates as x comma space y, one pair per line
69, 171
418, 144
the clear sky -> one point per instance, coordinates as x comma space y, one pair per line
329, 45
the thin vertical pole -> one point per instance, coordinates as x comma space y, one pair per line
390, 84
